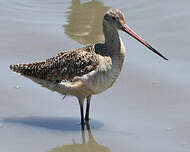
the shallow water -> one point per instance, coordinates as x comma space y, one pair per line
147, 109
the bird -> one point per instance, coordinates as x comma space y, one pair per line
85, 71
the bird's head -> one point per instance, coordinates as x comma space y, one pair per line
115, 19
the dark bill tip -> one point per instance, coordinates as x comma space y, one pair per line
129, 31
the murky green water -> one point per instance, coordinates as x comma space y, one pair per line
147, 109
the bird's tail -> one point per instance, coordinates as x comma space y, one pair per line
30, 69
18, 68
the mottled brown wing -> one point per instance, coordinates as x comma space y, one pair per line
65, 66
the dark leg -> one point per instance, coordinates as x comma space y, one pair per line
88, 126
82, 115
87, 108
81, 111
83, 134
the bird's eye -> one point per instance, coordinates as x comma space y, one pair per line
113, 18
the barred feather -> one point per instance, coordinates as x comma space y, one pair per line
65, 66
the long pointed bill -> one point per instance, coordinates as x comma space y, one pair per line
128, 30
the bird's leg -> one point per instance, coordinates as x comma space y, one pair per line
81, 102
82, 115
87, 108
83, 135
88, 126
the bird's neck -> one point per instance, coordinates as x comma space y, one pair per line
114, 46
113, 42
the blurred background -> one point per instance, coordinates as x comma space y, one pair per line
147, 109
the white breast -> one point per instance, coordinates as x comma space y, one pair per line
103, 77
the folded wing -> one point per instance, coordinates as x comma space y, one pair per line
63, 67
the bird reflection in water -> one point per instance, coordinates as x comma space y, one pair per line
85, 21
90, 146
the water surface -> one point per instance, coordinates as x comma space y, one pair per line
147, 109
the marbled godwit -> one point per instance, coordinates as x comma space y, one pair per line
86, 71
